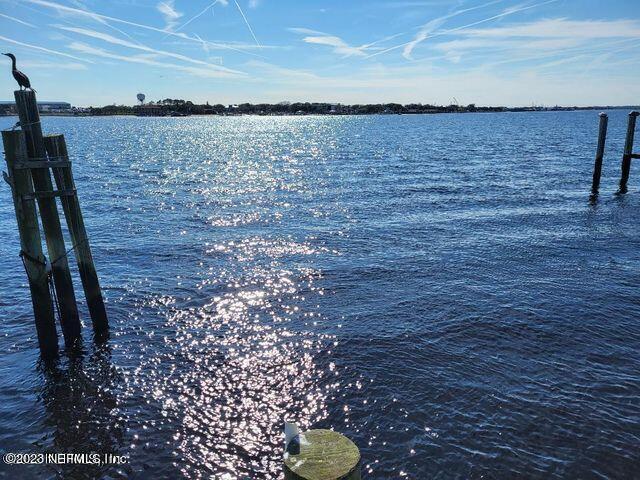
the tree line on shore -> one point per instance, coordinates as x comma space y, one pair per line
177, 107
182, 107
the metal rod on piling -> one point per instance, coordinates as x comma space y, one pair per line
602, 138
30, 124
15, 148
628, 151
57, 148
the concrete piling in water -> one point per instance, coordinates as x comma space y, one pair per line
57, 148
602, 138
322, 455
30, 124
628, 152
15, 149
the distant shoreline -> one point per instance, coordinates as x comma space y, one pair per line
186, 109
251, 114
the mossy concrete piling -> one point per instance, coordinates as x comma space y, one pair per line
323, 455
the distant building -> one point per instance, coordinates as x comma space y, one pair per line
45, 107
148, 110
9, 108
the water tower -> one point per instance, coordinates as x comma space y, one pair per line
141, 97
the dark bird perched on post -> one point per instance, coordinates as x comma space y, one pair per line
20, 77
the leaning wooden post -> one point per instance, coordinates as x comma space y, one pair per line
602, 138
15, 149
322, 455
57, 149
628, 151
30, 124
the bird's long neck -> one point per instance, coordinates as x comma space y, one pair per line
13, 64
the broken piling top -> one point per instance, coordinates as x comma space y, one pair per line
323, 455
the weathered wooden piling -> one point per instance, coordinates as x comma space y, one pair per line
30, 124
57, 149
628, 151
323, 455
19, 178
602, 138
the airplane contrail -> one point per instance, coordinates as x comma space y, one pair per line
42, 49
195, 17
425, 31
98, 17
247, 22
445, 32
17, 20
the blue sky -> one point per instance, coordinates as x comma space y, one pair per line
500, 52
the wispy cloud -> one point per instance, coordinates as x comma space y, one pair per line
137, 46
282, 73
170, 14
102, 21
548, 36
434, 24
414, 4
530, 58
42, 49
14, 19
339, 46
563, 28
473, 44
54, 65
218, 72
305, 31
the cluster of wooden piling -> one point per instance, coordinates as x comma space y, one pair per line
627, 156
31, 159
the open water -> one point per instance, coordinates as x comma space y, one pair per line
438, 288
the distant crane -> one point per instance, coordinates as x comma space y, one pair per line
20, 77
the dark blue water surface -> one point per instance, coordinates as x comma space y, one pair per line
438, 288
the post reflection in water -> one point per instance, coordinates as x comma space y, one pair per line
79, 395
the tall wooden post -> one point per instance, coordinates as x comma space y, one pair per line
628, 151
602, 138
57, 149
30, 123
15, 149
